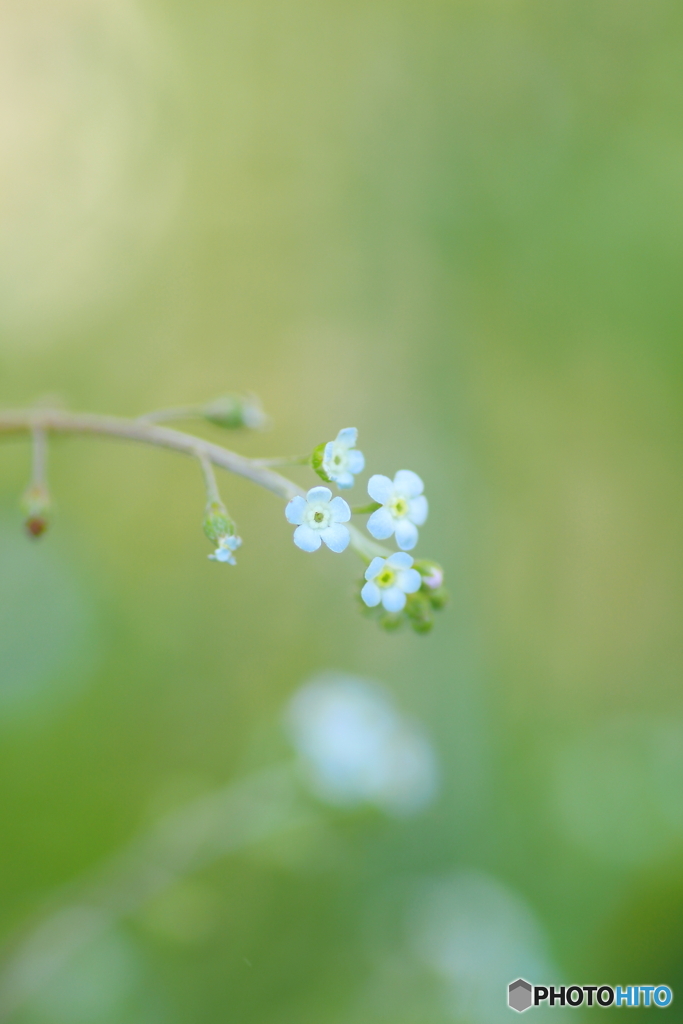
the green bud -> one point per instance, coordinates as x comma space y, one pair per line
317, 462
36, 507
418, 610
217, 522
439, 598
391, 621
233, 412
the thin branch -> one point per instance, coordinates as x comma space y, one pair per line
59, 422
293, 460
212, 492
39, 469
44, 421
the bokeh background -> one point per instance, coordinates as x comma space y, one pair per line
458, 227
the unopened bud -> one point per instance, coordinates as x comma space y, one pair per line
431, 572
419, 611
217, 523
36, 507
317, 456
233, 412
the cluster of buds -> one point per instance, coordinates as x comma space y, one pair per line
419, 604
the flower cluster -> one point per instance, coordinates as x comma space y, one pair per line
395, 588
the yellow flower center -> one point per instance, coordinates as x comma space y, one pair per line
319, 517
386, 578
399, 507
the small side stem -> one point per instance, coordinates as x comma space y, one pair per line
362, 510
365, 547
181, 412
212, 492
39, 468
36, 499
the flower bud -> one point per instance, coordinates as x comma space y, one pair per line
217, 523
36, 507
431, 572
439, 598
233, 412
419, 612
317, 457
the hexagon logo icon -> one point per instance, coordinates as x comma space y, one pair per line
519, 995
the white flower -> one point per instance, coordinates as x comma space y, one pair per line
225, 549
404, 507
319, 519
356, 746
389, 580
341, 458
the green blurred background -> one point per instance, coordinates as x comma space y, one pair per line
457, 226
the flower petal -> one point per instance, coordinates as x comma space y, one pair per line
356, 461
328, 454
381, 524
371, 595
408, 483
336, 537
393, 599
223, 555
380, 488
400, 560
419, 508
375, 568
409, 580
406, 534
319, 495
306, 538
347, 437
295, 510
341, 513
342, 480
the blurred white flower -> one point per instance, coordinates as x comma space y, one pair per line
357, 748
478, 936
389, 580
225, 550
341, 458
319, 519
404, 507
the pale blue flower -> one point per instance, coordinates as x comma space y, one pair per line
319, 517
225, 549
389, 580
341, 458
356, 747
404, 507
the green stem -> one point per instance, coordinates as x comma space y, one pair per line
39, 468
57, 421
212, 493
181, 412
361, 510
294, 460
